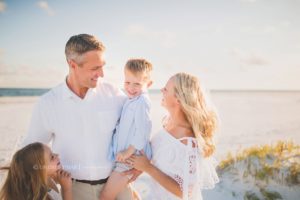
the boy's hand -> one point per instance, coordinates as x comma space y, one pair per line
121, 156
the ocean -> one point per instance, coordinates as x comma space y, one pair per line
246, 118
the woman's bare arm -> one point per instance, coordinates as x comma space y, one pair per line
143, 164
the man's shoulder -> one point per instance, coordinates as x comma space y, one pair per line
106, 84
109, 88
52, 94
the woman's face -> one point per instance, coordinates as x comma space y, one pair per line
52, 162
169, 101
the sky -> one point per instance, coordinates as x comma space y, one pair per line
228, 44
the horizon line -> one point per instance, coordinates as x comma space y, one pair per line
157, 89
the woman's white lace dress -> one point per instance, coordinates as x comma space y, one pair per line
184, 164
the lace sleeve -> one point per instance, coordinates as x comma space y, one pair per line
196, 172
206, 173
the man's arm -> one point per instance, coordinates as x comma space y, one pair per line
39, 130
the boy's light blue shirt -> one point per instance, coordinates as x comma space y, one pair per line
134, 127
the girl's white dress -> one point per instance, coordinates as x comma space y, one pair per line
54, 195
184, 163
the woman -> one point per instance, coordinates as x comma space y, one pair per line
31, 175
181, 165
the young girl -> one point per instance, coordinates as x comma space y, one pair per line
133, 132
181, 164
31, 175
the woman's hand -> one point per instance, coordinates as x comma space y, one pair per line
139, 162
134, 173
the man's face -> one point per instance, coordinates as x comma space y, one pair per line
90, 69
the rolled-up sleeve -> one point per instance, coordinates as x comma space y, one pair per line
143, 124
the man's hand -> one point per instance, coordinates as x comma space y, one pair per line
134, 172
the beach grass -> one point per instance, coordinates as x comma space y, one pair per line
263, 172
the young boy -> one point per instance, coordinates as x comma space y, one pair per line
133, 132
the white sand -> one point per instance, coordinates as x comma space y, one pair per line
15, 116
247, 118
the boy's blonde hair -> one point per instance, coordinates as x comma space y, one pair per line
139, 66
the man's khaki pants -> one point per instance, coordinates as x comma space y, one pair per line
84, 191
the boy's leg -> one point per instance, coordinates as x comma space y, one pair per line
126, 194
116, 183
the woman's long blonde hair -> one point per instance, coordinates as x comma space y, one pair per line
193, 102
26, 178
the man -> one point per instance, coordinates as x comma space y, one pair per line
79, 117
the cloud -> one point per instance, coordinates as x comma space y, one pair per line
286, 23
249, 1
21, 76
2, 7
255, 60
44, 6
166, 38
260, 30
248, 59
1, 56
267, 29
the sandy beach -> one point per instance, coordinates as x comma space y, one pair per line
247, 119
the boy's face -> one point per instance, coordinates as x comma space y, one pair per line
135, 84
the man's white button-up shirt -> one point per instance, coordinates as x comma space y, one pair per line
80, 130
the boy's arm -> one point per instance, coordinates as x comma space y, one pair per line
143, 125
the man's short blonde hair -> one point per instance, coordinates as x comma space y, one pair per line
77, 45
139, 66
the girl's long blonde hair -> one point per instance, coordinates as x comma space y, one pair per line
26, 178
199, 115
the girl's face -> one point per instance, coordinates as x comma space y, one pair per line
52, 162
169, 99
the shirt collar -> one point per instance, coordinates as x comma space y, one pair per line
67, 92
143, 93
